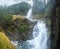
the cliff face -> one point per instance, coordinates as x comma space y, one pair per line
55, 27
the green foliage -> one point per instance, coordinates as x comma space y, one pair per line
10, 25
4, 22
23, 28
8, 17
20, 8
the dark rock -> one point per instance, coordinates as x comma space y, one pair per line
55, 27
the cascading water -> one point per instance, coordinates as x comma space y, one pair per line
30, 11
39, 39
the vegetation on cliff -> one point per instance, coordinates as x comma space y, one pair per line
12, 19
16, 27
7, 17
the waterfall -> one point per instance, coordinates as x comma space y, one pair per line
30, 10
39, 39
29, 13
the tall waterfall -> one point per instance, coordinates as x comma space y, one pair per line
40, 38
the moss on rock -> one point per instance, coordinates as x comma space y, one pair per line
5, 42
14, 17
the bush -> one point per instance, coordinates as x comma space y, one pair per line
23, 28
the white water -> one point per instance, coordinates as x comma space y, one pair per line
15, 43
39, 39
29, 13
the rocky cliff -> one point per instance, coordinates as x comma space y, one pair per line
55, 27
18, 28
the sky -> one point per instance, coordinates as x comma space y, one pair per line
7, 2
11, 2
